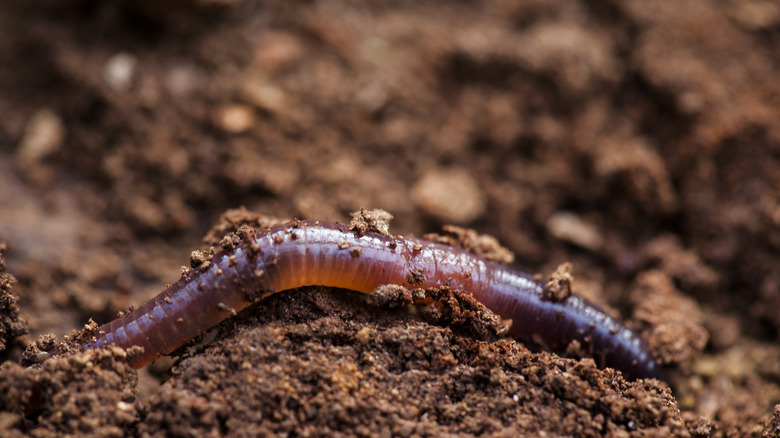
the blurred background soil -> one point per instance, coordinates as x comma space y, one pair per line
638, 140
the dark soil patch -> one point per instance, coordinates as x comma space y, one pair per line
637, 140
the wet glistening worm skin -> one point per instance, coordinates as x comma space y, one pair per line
305, 253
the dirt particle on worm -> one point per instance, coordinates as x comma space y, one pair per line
371, 220
559, 285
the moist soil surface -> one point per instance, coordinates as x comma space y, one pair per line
636, 140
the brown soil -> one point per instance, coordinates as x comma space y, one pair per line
637, 140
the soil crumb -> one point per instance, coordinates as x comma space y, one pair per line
444, 307
230, 221
483, 245
11, 325
377, 220
560, 283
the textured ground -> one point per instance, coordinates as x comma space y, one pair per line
637, 140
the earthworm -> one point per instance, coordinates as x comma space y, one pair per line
305, 253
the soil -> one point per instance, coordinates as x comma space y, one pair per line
636, 140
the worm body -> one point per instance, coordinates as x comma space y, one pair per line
313, 253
